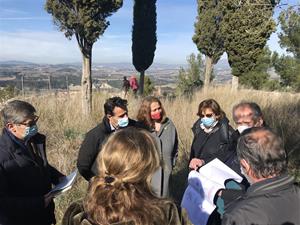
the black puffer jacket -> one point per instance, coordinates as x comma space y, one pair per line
272, 201
25, 177
91, 146
208, 146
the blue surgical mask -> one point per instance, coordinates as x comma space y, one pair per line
207, 121
30, 131
123, 122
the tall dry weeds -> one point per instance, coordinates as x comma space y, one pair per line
61, 120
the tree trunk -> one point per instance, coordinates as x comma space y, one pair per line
208, 70
86, 84
141, 83
235, 83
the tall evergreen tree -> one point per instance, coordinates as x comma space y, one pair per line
86, 20
258, 76
289, 37
288, 67
143, 37
208, 37
246, 27
191, 78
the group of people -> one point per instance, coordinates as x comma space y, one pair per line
152, 118
128, 164
132, 84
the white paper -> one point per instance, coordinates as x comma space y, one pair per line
65, 184
203, 186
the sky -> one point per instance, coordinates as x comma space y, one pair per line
27, 33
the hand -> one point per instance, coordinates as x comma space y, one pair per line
196, 163
219, 193
47, 199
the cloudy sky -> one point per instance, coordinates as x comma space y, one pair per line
27, 33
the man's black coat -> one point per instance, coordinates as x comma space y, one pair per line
91, 146
25, 177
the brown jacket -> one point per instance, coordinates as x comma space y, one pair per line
75, 215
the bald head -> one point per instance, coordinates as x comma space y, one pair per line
263, 151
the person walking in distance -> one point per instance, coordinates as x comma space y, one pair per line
134, 84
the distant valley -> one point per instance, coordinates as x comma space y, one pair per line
61, 76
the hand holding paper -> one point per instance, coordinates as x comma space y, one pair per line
203, 186
65, 184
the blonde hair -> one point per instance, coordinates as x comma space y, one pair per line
121, 192
144, 113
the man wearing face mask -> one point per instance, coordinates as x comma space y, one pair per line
273, 197
25, 174
116, 117
245, 115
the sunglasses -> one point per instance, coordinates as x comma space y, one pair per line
31, 122
208, 115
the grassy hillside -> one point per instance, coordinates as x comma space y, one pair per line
61, 121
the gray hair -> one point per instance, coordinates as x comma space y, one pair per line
256, 110
263, 150
17, 111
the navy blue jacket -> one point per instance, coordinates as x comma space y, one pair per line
25, 177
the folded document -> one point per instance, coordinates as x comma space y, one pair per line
65, 184
198, 198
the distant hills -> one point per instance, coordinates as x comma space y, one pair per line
222, 64
39, 75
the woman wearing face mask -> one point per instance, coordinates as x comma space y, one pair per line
121, 193
152, 116
211, 135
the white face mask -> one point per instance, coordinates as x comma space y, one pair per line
242, 128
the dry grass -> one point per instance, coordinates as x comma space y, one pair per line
62, 122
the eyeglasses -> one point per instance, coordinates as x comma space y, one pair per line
208, 115
31, 122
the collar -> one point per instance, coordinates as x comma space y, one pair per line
112, 128
163, 126
270, 185
17, 141
107, 126
208, 130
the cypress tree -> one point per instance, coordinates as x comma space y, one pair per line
246, 27
289, 37
208, 37
143, 37
288, 67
